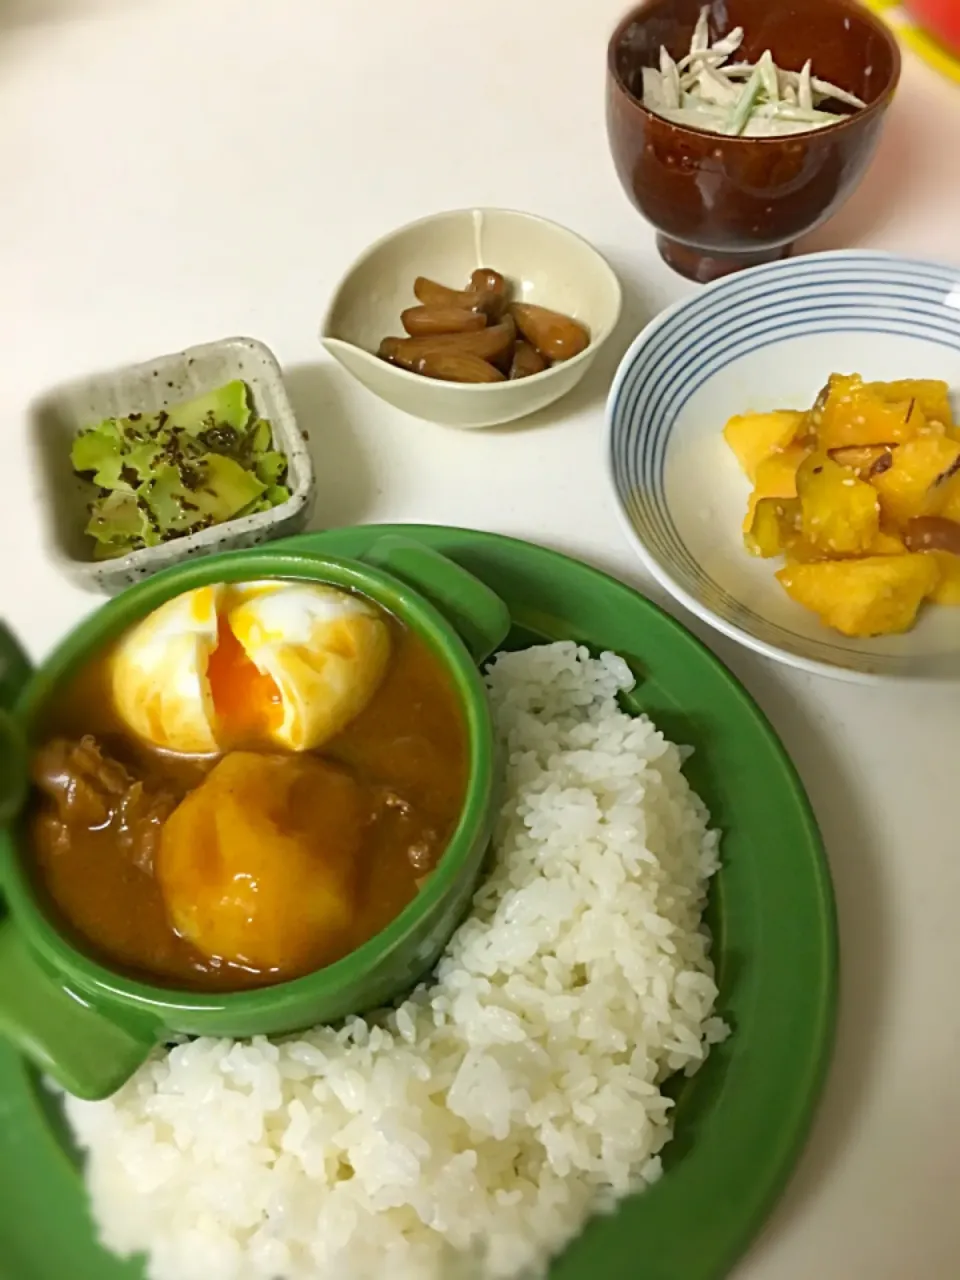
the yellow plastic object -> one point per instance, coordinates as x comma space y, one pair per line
930, 50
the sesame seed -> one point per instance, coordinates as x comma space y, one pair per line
849, 482
859, 420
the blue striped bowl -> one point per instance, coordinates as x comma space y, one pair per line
764, 339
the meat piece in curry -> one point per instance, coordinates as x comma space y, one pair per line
89, 791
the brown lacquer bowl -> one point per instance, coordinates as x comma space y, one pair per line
723, 203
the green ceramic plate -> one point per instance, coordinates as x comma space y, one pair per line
742, 1119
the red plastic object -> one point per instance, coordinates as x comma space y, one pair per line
940, 18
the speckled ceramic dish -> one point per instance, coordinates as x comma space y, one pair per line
147, 388
547, 265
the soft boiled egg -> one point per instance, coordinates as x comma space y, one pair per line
282, 663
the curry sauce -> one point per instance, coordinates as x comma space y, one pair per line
105, 800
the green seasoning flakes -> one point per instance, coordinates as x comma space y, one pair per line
163, 475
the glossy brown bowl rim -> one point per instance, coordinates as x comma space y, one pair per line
879, 104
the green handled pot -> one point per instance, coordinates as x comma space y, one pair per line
89, 1027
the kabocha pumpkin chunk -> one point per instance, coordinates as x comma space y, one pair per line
755, 436
776, 478
950, 503
879, 595
916, 482
947, 590
853, 414
774, 527
932, 395
888, 543
840, 514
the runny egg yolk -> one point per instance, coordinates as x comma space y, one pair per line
246, 701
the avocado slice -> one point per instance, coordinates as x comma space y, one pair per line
216, 489
99, 451
274, 496
261, 436
271, 467
119, 523
226, 488
228, 406
171, 506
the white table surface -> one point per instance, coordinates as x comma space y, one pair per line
179, 171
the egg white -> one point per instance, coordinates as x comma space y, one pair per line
325, 649
158, 675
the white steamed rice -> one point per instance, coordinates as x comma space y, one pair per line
471, 1131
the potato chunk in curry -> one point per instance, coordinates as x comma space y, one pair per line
258, 864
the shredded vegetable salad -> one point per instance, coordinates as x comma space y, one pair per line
704, 90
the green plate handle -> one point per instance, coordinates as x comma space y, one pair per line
86, 1053
67, 1039
15, 671
478, 614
